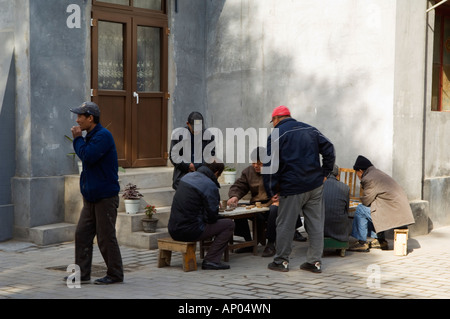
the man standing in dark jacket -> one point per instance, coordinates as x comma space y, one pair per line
185, 152
195, 213
298, 183
100, 189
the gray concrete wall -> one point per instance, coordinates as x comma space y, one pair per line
331, 62
60, 80
188, 60
409, 95
52, 62
354, 69
410, 109
7, 118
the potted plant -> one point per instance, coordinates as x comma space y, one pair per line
229, 175
149, 221
132, 198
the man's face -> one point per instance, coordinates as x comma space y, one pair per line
359, 173
85, 122
275, 121
196, 128
257, 166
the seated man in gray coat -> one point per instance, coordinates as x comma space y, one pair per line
386, 206
336, 197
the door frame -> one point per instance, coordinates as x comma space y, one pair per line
132, 18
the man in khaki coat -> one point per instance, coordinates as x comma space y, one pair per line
389, 206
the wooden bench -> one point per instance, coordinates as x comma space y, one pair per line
187, 249
340, 246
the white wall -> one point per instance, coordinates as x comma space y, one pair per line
330, 61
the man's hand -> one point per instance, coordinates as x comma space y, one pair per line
191, 167
276, 200
233, 202
76, 132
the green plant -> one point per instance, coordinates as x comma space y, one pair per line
71, 140
131, 192
150, 211
229, 169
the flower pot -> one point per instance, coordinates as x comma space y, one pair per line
132, 206
149, 225
229, 177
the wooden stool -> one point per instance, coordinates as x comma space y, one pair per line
401, 242
187, 249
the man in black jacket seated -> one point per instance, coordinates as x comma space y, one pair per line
195, 213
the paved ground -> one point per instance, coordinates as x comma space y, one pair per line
31, 272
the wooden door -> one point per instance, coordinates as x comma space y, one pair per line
149, 83
129, 83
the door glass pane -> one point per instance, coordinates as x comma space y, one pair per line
110, 56
436, 65
121, 2
148, 59
446, 68
148, 4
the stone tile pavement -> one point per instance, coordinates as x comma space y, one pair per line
31, 272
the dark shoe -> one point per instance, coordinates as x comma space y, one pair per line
269, 251
359, 247
299, 237
283, 267
208, 265
107, 281
82, 281
244, 250
316, 267
377, 244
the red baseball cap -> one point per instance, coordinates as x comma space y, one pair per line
280, 111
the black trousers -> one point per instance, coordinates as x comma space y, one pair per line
98, 219
222, 231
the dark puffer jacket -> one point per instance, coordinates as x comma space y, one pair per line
97, 151
300, 169
195, 204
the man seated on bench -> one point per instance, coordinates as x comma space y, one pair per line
195, 213
336, 198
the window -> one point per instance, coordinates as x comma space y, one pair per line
157, 5
441, 62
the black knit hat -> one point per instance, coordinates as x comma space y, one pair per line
362, 163
195, 116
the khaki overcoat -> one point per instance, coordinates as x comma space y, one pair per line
388, 202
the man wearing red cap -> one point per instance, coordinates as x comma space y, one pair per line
298, 184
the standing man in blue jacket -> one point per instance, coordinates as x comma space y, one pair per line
297, 181
100, 189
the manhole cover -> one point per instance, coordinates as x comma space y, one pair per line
96, 270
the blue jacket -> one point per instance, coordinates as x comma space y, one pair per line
195, 204
300, 169
97, 151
